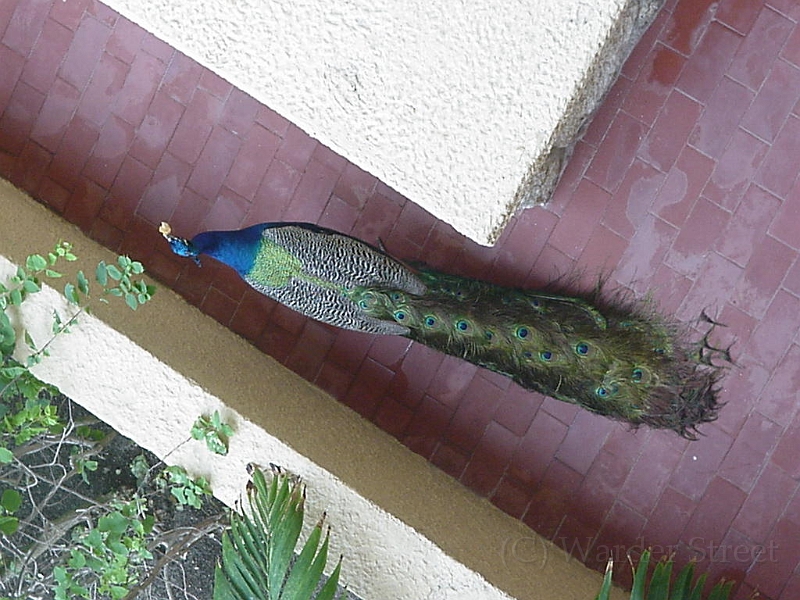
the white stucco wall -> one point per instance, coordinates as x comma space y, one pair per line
449, 102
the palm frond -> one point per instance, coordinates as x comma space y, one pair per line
657, 586
259, 559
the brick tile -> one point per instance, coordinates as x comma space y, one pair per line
784, 225
645, 251
161, 196
125, 40
707, 65
685, 28
488, 461
55, 114
473, 414
735, 169
668, 518
792, 589
703, 226
649, 476
309, 353
189, 212
376, 218
312, 194
19, 117
518, 409
775, 173
546, 509
616, 152
671, 287
218, 306
214, 163
653, 83
450, 460
700, 462
571, 177
350, 349
642, 53
791, 50
563, 411
277, 187
758, 51
84, 52
598, 491
770, 576
333, 379
734, 556
109, 151
155, 131
99, 96
616, 538
714, 513
102, 13
43, 62
748, 225
239, 112
84, 205
111, 237
715, 278
355, 186
195, 126
139, 89
368, 388
779, 398
625, 443
772, 105
393, 417
129, 185
742, 386
581, 217
739, 15
215, 84
792, 280
339, 216
389, 350
25, 24
785, 455
682, 186
765, 270
601, 121
32, 165
227, 212
628, 209
252, 161
427, 426
786, 7
536, 449
157, 48
69, 14
181, 78
670, 132
272, 121
585, 437
722, 115
73, 152
417, 370
53, 194
276, 342
510, 498
13, 64
765, 503
774, 335
296, 148
749, 451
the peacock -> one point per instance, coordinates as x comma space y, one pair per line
615, 356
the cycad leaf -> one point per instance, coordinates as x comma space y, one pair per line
721, 591
605, 589
683, 584
659, 582
328, 591
697, 590
640, 577
302, 579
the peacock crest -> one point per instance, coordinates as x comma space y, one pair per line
609, 353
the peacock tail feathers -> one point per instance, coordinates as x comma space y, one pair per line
610, 353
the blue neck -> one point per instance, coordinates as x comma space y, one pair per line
237, 249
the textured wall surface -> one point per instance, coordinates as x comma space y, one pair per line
454, 104
153, 380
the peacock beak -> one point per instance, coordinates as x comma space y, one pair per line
179, 246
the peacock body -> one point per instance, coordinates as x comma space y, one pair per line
615, 357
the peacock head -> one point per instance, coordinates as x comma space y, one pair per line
180, 246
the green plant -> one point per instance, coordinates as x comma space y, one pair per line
658, 588
258, 561
187, 490
214, 432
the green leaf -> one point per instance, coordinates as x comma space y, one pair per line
83, 284
101, 273
11, 500
9, 525
113, 272
131, 301
36, 262
15, 297
30, 286
115, 522
71, 293
6, 456
53, 274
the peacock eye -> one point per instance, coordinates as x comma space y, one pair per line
430, 321
527, 354
462, 325
489, 335
399, 315
396, 296
546, 355
522, 332
536, 303
637, 375
602, 392
582, 348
